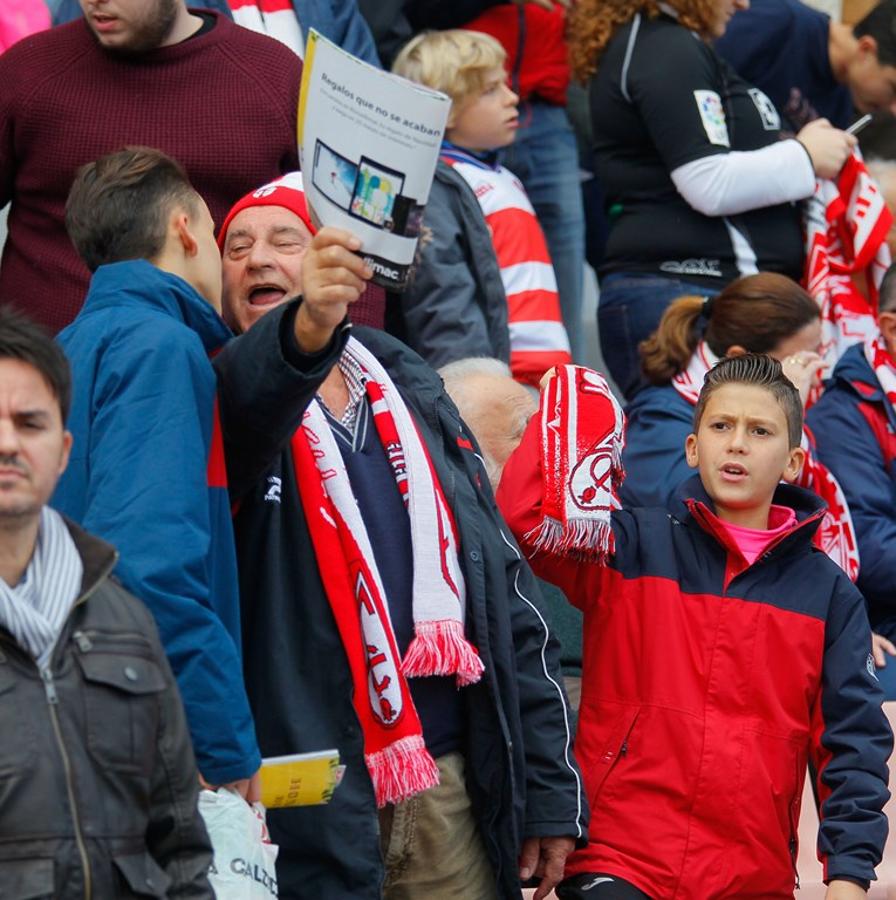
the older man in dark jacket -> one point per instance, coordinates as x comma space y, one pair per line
486, 791
98, 784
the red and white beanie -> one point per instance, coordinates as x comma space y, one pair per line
287, 191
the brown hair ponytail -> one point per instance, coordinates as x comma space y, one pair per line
756, 313
668, 350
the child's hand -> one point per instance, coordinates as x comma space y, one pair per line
844, 890
333, 277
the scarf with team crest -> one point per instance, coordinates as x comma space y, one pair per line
394, 750
583, 433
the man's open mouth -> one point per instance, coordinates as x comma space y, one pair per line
266, 295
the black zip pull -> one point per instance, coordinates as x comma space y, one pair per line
624, 748
84, 643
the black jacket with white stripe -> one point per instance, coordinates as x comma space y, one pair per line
521, 775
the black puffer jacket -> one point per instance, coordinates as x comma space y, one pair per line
98, 784
521, 774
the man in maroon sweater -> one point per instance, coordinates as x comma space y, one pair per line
220, 99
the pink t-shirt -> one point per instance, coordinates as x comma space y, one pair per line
752, 541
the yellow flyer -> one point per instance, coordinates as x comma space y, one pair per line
300, 779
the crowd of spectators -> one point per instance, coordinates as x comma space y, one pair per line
253, 505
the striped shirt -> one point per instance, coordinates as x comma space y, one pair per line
538, 340
356, 382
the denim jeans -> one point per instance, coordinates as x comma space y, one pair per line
545, 158
630, 309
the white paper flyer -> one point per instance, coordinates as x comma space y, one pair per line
369, 142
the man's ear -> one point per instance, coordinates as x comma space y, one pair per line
794, 465
66, 451
736, 350
868, 45
690, 451
180, 226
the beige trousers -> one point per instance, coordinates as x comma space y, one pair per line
431, 844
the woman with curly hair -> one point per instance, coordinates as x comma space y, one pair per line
700, 187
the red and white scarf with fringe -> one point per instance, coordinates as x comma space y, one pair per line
583, 433
836, 535
846, 223
394, 750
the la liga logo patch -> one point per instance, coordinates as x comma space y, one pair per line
712, 115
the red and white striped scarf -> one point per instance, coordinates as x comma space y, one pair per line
836, 535
846, 224
583, 433
394, 749
538, 339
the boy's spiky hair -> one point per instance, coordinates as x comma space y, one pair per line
455, 62
759, 370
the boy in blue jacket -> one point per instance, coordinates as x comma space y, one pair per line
722, 650
148, 474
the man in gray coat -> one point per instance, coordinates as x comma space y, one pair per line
98, 784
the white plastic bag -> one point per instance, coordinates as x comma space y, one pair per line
243, 867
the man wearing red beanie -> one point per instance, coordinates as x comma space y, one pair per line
376, 581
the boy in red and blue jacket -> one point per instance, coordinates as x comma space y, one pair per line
722, 651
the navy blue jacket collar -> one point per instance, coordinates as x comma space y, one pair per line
138, 283
693, 505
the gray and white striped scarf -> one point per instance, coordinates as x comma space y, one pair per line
35, 610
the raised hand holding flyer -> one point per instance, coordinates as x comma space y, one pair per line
369, 142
